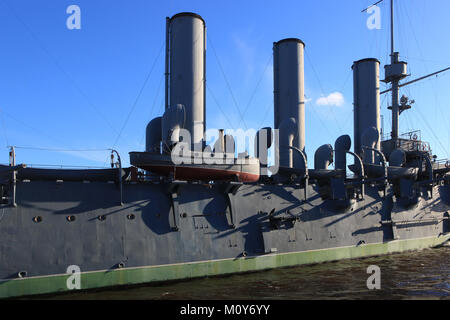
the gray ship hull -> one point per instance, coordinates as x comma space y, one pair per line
179, 230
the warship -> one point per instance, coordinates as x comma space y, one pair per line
185, 209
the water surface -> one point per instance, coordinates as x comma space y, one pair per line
413, 275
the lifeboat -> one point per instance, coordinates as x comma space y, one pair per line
244, 169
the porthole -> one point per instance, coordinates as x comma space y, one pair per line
102, 218
22, 274
71, 218
131, 216
37, 219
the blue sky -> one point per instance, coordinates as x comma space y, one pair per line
75, 89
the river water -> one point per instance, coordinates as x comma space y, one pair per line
413, 275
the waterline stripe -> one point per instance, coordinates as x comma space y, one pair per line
189, 270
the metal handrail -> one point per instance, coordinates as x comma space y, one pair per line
45, 166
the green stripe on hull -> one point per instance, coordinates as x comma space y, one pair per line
129, 276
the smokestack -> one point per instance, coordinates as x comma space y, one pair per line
366, 100
185, 70
289, 99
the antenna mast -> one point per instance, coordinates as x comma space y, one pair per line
394, 72
395, 89
392, 28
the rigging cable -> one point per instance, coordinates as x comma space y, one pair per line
138, 96
154, 104
432, 84
226, 81
220, 107
349, 72
4, 126
323, 92
43, 134
58, 65
257, 84
63, 151
30, 127
59, 150
431, 130
267, 109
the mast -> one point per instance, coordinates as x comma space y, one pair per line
392, 28
394, 72
395, 89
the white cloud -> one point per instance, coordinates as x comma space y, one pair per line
333, 99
